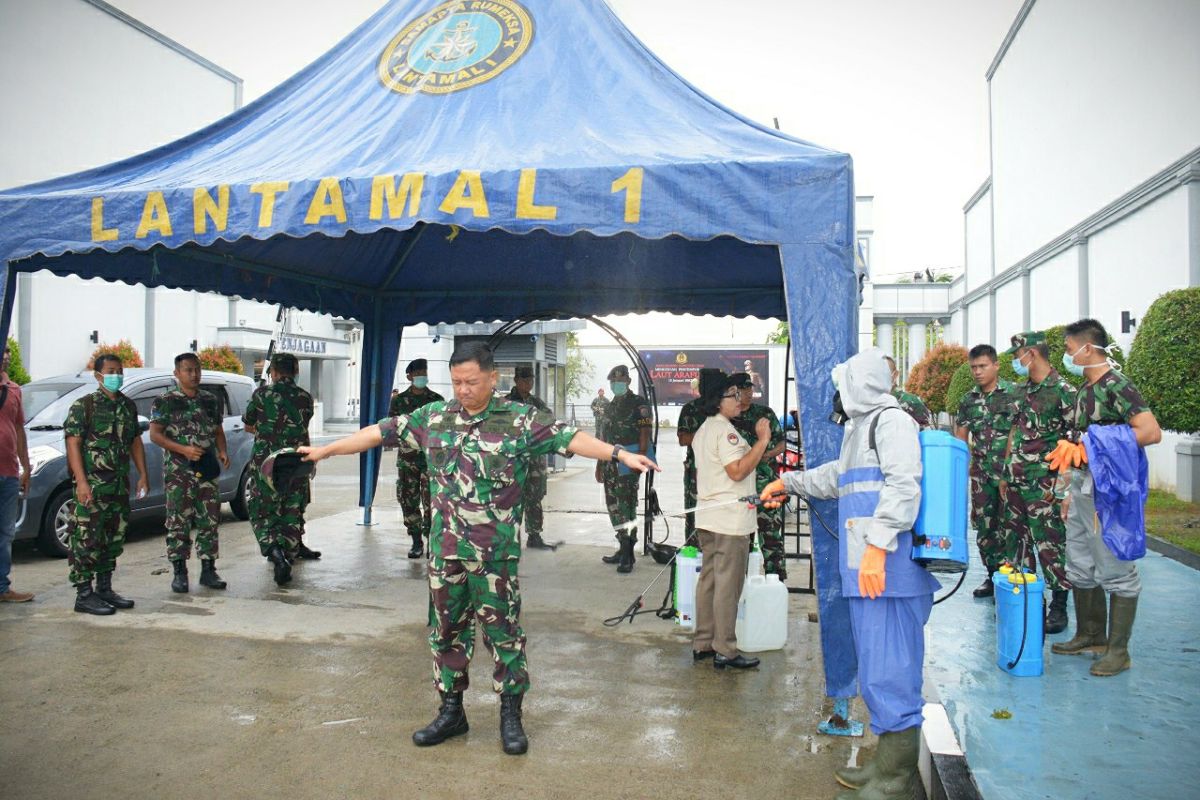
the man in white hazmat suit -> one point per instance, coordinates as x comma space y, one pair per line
878, 488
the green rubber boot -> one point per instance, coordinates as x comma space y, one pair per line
1091, 619
1120, 626
894, 769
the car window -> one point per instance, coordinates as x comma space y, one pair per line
144, 395
239, 394
218, 390
46, 402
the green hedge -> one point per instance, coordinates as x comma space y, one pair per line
962, 382
16, 367
1164, 361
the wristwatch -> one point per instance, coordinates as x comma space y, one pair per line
616, 452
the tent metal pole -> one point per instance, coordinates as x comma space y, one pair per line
372, 477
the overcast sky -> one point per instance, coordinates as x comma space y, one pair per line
898, 85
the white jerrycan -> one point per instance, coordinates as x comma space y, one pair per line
762, 615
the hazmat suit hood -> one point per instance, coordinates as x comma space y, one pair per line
865, 383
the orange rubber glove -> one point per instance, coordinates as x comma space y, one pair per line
872, 576
774, 494
1066, 455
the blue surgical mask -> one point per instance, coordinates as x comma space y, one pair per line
1020, 368
421, 381
1069, 364
618, 387
114, 382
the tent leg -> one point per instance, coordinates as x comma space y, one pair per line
10, 295
369, 466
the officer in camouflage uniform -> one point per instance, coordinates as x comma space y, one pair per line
983, 421
412, 479
627, 422
1107, 398
599, 407
477, 448
912, 404
535, 484
770, 520
102, 436
278, 415
691, 417
1032, 517
186, 423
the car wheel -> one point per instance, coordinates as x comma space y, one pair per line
238, 504
54, 538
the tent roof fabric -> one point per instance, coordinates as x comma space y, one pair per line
585, 135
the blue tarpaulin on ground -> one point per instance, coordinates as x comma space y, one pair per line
482, 160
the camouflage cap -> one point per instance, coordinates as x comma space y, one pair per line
619, 371
280, 469
285, 361
1026, 339
523, 372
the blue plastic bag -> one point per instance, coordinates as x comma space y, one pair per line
1121, 478
633, 448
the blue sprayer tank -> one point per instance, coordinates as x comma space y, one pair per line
1018, 615
940, 533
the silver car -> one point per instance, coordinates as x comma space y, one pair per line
46, 511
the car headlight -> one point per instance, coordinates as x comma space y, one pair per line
40, 456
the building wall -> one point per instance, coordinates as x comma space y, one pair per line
978, 251
1091, 98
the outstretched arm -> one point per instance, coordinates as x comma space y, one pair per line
357, 442
588, 446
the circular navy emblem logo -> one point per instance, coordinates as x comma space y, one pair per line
456, 46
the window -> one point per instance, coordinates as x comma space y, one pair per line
239, 395
144, 395
218, 390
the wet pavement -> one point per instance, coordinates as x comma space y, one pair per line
1073, 735
314, 690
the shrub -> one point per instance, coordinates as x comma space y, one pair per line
16, 368
930, 378
1164, 361
123, 350
220, 358
962, 382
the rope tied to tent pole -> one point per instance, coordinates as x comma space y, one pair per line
154, 264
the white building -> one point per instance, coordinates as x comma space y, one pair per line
1092, 208
95, 86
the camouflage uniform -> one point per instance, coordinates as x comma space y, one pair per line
691, 417
412, 477
535, 483
770, 521
478, 466
915, 407
623, 421
107, 429
280, 414
192, 504
1041, 414
599, 409
987, 419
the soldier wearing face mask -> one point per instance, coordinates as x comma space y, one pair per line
627, 422
412, 479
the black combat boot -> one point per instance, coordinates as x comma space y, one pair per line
305, 553
209, 576
535, 541
179, 583
512, 734
985, 589
625, 564
88, 602
1056, 619
418, 548
615, 558
105, 591
450, 721
283, 567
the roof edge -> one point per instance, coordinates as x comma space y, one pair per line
163, 39
1009, 37
983, 189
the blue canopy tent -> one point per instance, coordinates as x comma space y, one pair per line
477, 161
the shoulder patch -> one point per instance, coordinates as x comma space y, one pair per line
732, 437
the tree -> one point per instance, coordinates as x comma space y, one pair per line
781, 334
962, 382
16, 368
930, 378
220, 358
123, 350
1164, 361
579, 368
